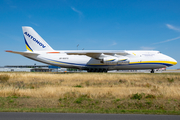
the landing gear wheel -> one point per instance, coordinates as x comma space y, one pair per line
89, 70
152, 71
104, 70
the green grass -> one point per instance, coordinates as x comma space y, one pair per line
108, 111
4, 78
84, 104
78, 86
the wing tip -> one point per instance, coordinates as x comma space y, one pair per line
8, 51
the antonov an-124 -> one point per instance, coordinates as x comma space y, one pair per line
92, 60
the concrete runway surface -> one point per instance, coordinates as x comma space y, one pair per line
82, 116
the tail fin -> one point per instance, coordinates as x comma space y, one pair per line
33, 41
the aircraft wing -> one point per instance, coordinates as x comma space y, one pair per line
96, 53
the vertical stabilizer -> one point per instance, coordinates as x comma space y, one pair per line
33, 41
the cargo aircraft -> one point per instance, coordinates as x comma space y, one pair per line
92, 60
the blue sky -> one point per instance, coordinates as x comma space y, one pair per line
93, 24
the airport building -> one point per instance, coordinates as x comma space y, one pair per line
32, 68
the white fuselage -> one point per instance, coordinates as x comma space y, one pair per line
137, 60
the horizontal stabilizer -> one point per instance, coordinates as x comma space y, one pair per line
22, 53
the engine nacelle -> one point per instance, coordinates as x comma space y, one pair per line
123, 60
114, 60
110, 60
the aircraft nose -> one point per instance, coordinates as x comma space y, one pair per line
174, 62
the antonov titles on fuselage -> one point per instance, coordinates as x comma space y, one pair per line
91, 60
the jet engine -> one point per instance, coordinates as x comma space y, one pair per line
110, 60
114, 60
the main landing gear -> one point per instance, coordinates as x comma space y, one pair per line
97, 70
152, 71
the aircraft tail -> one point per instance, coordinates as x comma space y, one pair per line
33, 41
